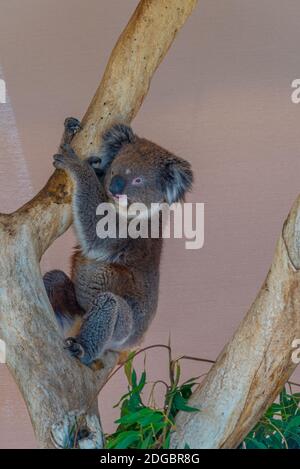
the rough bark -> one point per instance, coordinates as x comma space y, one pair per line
256, 363
57, 388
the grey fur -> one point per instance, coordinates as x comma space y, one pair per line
115, 280
112, 141
178, 180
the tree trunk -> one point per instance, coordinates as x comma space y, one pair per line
58, 389
256, 363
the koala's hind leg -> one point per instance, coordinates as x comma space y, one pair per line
61, 294
106, 326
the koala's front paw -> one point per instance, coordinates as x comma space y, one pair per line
72, 126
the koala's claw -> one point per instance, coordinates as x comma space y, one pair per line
58, 161
72, 125
67, 150
74, 347
66, 160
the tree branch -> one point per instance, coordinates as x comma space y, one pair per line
57, 388
256, 363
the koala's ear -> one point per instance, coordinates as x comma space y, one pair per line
177, 179
113, 140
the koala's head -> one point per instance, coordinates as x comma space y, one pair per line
141, 170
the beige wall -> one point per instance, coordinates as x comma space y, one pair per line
221, 99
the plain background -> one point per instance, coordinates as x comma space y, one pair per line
221, 99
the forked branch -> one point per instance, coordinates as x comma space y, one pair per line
56, 388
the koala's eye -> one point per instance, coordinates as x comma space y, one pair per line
137, 181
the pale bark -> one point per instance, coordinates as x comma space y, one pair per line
250, 370
256, 363
56, 387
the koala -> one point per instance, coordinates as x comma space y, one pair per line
111, 297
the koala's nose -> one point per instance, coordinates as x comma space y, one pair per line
117, 185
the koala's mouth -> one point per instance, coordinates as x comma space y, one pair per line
120, 198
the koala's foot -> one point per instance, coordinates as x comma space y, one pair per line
74, 347
72, 126
77, 350
107, 324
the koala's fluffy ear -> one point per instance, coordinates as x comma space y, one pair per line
177, 179
113, 140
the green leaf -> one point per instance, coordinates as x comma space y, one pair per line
166, 443
273, 409
154, 418
135, 416
294, 422
180, 404
177, 373
123, 440
128, 367
142, 382
255, 444
148, 441
133, 379
186, 390
284, 400
128, 440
